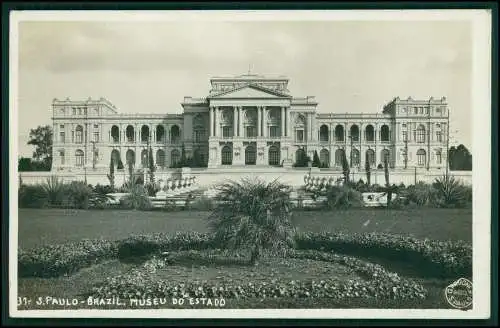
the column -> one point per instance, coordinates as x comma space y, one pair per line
264, 121
216, 118
282, 128
288, 123
242, 133
235, 121
259, 121
211, 120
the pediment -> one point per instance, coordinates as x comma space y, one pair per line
250, 91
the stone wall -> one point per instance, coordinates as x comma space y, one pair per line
206, 177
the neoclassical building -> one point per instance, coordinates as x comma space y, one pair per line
249, 120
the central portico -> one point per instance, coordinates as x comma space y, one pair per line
253, 120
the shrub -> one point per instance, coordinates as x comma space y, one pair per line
32, 196
79, 194
56, 260
143, 245
342, 197
202, 203
253, 214
137, 198
420, 194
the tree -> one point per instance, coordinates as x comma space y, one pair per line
151, 165
253, 215
345, 167
460, 159
368, 171
111, 175
41, 138
316, 162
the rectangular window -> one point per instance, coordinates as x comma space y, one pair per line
61, 156
299, 135
416, 110
405, 135
226, 131
274, 132
96, 136
438, 158
439, 136
199, 135
251, 132
61, 137
61, 126
74, 111
96, 126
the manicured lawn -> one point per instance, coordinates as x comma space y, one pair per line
49, 226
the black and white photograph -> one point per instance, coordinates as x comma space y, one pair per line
250, 164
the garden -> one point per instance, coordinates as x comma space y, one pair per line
250, 246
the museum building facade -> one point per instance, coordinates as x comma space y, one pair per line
249, 120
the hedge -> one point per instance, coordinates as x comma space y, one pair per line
436, 258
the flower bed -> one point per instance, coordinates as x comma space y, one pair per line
57, 260
376, 283
436, 258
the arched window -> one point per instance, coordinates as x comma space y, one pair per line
324, 157
79, 157
160, 158
438, 157
385, 155
339, 155
421, 133
274, 155
355, 133
370, 157
175, 157
175, 134
144, 158
160, 134
355, 157
199, 158
145, 133
250, 155
339, 133
370, 133
130, 157
323, 133
300, 156
115, 155
227, 155
115, 134
421, 157
130, 133
384, 133
79, 134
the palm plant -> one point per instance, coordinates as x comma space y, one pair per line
253, 214
449, 192
345, 168
54, 188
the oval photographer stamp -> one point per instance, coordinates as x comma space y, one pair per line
459, 293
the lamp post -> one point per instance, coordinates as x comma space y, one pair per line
406, 152
93, 154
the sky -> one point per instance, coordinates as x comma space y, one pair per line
148, 67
